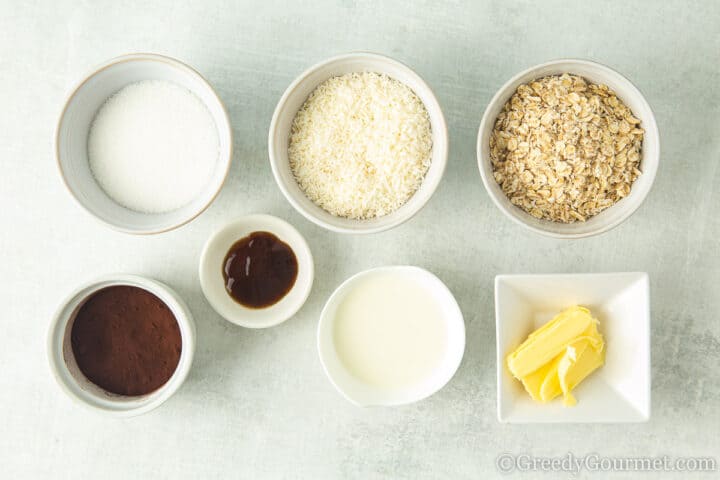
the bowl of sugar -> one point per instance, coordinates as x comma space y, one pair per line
144, 143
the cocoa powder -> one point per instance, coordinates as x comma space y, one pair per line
126, 340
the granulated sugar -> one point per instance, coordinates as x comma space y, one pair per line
153, 146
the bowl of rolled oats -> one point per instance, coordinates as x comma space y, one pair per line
568, 148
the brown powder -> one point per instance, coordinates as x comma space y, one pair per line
126, 340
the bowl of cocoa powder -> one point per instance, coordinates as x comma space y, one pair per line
122, 344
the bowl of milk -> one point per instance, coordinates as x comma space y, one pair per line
391, 336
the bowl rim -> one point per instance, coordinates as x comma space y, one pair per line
649, 124
167, 295
442, 155
457, 356
262, 222
225, 129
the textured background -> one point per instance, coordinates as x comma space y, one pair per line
257, 403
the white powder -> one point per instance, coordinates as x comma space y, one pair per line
361, 145
153, 146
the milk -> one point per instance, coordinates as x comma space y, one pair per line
390, 332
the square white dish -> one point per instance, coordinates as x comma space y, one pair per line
617, 392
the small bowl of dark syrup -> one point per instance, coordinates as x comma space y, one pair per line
256, 271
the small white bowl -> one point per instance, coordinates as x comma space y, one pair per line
73, 126
213, 283
650, 155
617, 392
86, 393
293, 99
362, 394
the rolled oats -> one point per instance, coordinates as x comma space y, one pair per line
564, 149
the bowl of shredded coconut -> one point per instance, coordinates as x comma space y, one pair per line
144, 143
358, 143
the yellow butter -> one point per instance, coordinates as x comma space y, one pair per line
549, 341
533, 382
559, 355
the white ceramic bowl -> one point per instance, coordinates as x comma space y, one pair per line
71, 136
650, 155
295, 96
213, 283
78, 387
617, 392
362, 394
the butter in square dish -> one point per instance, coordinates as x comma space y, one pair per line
555, 358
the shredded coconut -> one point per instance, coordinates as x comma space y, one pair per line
361, 145
153, 146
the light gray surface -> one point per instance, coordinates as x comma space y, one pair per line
257, 403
